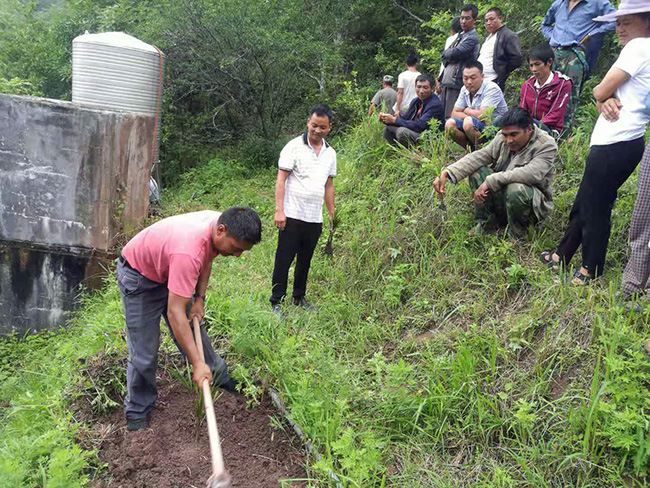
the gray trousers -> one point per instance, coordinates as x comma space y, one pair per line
637, 271
448, 97
404, 136
145, 302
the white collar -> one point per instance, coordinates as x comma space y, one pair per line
548, 80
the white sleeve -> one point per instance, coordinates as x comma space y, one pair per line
633, 57
333, 167
400, 81
286, 162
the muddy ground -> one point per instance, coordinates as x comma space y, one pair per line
168, 454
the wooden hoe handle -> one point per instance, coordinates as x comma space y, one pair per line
218, 468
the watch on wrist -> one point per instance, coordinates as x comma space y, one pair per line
199, 295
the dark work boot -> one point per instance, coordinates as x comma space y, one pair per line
302, 302
133, 425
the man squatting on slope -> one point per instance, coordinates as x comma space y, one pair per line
160, 273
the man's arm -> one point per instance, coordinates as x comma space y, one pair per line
329, 198
476, 112
198, 307
421, 124
461, 52
280, 218
513, 53
530, 174
371, 109
179, 322
614, 78
398, 104
604, 27
473, 161
549, 23
458, 113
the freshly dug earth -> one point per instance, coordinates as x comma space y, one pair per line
168, 453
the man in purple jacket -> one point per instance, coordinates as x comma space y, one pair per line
407, 129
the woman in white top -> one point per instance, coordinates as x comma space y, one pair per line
616, 145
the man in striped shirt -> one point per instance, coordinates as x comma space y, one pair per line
306, 172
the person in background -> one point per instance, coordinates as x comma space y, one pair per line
455, 30
463, 49
306, 171
616, 147
468, 118
547, 94
408, 128
406, 85
385, 98
164, 272
511, 177
500, 53
576, 39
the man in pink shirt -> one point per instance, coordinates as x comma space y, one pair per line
163, 272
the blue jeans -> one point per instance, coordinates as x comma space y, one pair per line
145, 302
478, 125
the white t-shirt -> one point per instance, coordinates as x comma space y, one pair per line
635, 61
486, 58
305, 187
406, 80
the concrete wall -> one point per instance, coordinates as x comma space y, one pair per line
71, 180
39, 286
69, 175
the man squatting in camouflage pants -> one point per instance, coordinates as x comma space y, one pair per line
511, 177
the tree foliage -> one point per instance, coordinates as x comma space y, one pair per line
245, 72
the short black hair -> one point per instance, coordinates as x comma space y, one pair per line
470, 8
455, 25
543, 52
242, 224
411, 60
321, 110
425, 77
496, 10
516, 116
472, 63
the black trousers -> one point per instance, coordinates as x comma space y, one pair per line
606, 169
297, 240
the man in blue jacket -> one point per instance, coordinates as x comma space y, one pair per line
407, 129
576, 40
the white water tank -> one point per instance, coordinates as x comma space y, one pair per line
116, 71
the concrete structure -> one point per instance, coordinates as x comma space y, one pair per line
72, 181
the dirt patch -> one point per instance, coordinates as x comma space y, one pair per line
168, 454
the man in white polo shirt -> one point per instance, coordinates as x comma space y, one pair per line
306, 172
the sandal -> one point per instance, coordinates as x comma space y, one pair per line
547, 258
581, 280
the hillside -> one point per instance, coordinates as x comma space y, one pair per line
434, 359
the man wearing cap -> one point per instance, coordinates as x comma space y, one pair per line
576, 39
385, 98
163, 272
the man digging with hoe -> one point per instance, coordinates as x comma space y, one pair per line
163, 272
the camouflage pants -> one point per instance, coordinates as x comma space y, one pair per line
571, 62
513, 206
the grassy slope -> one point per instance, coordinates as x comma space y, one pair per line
434, 360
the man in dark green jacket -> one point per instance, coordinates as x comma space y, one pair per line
511, 177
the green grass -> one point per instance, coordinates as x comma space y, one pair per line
434, 359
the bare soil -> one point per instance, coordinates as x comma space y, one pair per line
169, 453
